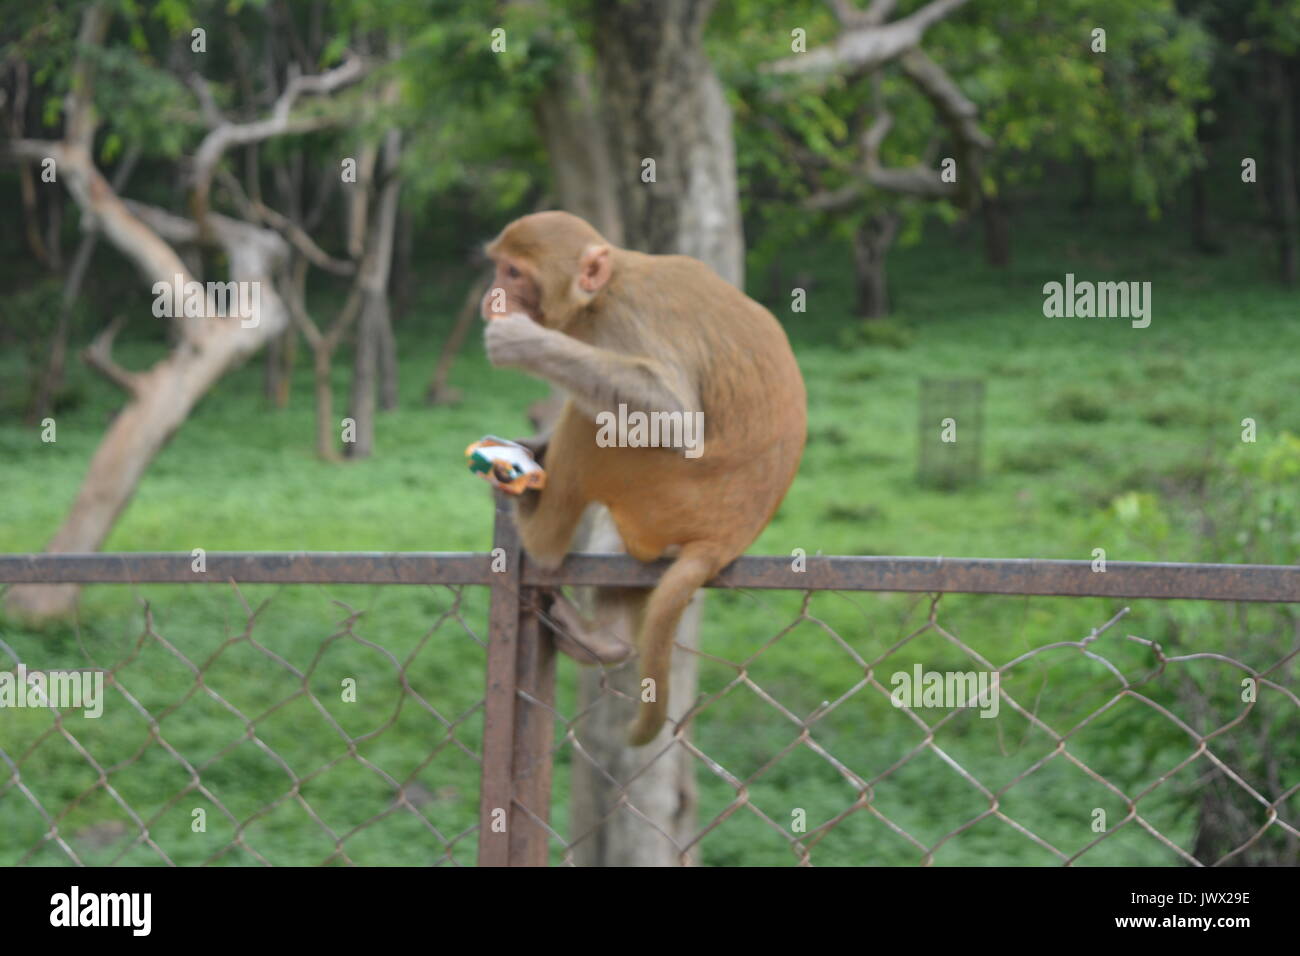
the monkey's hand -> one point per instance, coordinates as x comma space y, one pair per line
513, 340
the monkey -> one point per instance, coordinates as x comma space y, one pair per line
614, 327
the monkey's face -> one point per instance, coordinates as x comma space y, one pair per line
549, 266
514, 289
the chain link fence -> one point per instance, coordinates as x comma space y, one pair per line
1217, 757
291, 730
187, 743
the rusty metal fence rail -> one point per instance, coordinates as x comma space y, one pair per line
512, 752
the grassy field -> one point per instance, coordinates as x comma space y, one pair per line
1095, 434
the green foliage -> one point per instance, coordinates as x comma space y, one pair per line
1255, 502
469, 109
1080, 404
1277, 23
1043, 93
1247, 511
465, 110
35, 310
879, 333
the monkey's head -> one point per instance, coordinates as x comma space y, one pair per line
549, 265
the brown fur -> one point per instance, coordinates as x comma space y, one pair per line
659, 333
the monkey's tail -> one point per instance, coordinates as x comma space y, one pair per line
696, 564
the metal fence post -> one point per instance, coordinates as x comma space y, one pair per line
515, 795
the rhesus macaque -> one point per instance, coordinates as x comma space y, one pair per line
658, 334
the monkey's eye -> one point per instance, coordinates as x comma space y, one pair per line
512, 272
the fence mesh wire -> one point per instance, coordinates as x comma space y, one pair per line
364, 744
1193, 753
244, 760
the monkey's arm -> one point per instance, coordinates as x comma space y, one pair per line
598, 380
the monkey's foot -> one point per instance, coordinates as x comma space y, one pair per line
576, 637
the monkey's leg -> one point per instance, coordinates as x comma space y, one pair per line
602, 624
697, 563
547, 520
609, 636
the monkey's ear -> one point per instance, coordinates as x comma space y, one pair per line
594, 269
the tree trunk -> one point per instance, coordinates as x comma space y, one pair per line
207, 346
386, 238
871, 242
607, 833
1087, 200
322, 347
997, 231
26, 170
1202, 229
402, 275
439, 392
51, 379
662, 102
386, 352
54, 233
324, 392
376, 355
272, 369
277, 374
365, 362
582, 170
1200, 213
1285, 163
289, 356
162, 396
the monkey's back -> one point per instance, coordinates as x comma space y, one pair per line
738, 359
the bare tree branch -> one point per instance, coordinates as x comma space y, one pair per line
846, 13
15, 110
241, 240
208, 109
862, 48
151, 255
79, 105
917, 180
829, 200
99, 356
851, 17
960, 115
162, 396
879, 11
51, 376
258, 211
227, 135
958, 112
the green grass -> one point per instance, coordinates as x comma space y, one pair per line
1078, 412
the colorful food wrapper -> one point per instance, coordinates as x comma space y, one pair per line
505, 464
